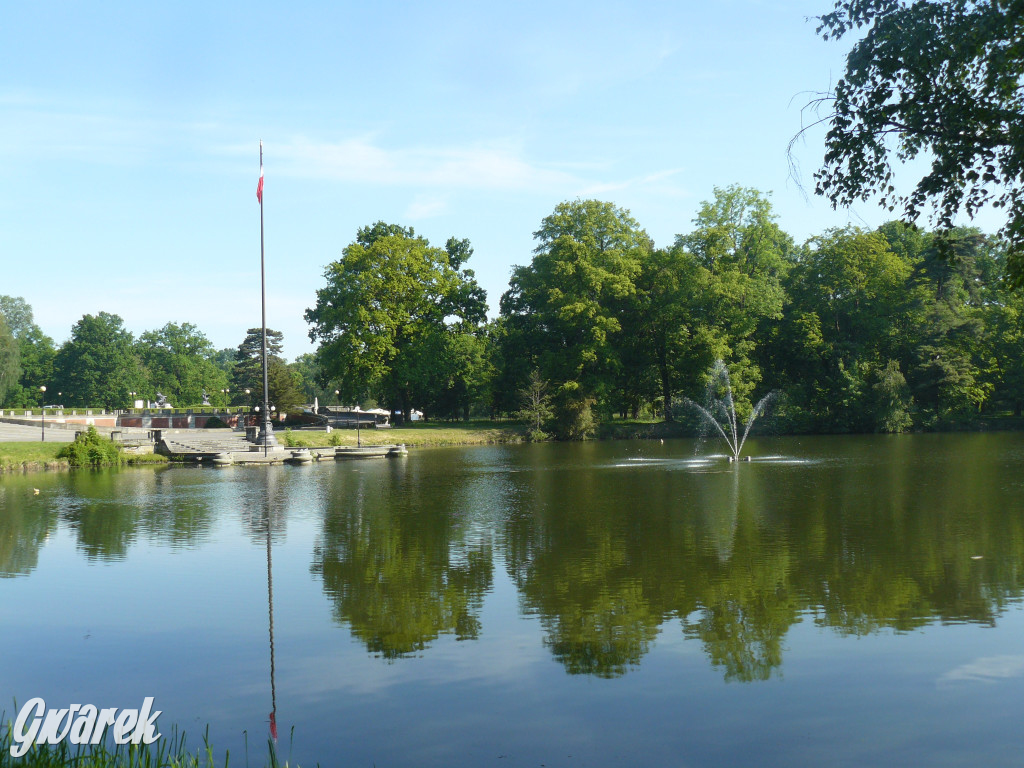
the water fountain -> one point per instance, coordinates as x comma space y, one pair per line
721, 409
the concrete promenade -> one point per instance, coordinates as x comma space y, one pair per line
23, 433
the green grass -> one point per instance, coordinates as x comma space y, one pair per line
38, 455
29, 455
429, 433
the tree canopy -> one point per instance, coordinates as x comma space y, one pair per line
564, 309
247, 373
939, 81
178, 361
393, 317
31, 361
98, 365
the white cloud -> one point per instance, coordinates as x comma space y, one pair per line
986, 669
479, 166
647, 180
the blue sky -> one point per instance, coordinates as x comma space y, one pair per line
129, 139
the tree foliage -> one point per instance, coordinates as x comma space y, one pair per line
564, 309
939, 81
179, 363
247, 373
34, 353
10, 357
393, 319
98, 365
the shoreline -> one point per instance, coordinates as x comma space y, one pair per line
36, 456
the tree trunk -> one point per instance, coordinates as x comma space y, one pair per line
406, 406
666, 390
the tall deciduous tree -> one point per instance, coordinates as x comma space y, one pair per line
733, 262
178, 362
35, 353
936, 80
390, 317
98, 365
568, 302
10, 356
849, 317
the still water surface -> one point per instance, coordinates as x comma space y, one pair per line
838, 601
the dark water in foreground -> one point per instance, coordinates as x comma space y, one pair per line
840, 602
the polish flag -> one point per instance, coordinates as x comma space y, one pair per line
259, 187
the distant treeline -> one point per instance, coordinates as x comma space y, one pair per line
857, 330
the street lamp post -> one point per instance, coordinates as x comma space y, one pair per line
42, 411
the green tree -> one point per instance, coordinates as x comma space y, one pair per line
933, 80
892, 401
308, 375
729, 271
247, 374
388, 320
1004, 320
10, 357
284, 384
98, 365
536, 405
946, 365
247, 368
567, 304
850, 315
178, 361
35, 353
224, 359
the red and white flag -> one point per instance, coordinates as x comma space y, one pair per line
259, 187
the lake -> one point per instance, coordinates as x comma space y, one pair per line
840, 601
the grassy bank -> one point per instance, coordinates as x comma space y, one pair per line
430, 433
34, 456
30, 455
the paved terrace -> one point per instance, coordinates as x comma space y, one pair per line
29, 429
22, 433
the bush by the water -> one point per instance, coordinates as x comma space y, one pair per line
215, 423
91, 449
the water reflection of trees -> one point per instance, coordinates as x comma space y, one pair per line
399, 567
597, 557
110, 510
24, 527
605, 558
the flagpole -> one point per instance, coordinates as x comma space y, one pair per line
266, 428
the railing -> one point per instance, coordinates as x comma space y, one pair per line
59, 412
186, 411
55, 412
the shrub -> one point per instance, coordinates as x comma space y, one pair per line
215, 423
91, 449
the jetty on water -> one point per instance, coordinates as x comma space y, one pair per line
228, 449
